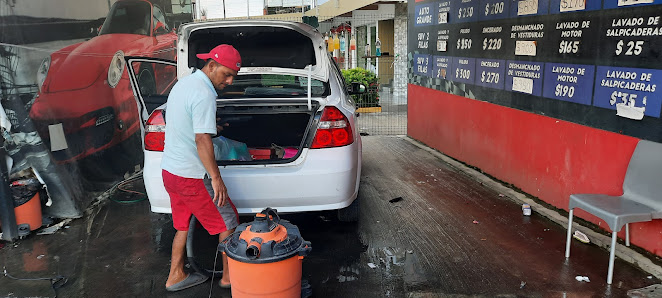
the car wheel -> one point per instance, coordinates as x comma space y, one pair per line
191, 248
146, 80
350, 213
111, 165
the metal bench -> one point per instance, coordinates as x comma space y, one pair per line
641, 200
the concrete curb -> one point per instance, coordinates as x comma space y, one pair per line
623, 252
369, 110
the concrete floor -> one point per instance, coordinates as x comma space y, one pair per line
449, 236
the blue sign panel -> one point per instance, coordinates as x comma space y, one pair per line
493, 9
569, 82
423, 16
519, 8
464, 70
630, 91
422, 65
464, 11
561, 6
524, 77
629, 3
491, 73
441, 67
444, 11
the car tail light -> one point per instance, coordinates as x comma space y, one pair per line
155, 131
333, 131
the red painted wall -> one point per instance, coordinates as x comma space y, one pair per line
543, 156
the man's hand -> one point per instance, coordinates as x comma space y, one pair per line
219, 128
221, 196
206, 153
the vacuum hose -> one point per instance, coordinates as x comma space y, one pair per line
191, 255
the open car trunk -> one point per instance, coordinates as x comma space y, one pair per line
271, 105
264, 131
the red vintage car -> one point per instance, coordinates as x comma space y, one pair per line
85, 102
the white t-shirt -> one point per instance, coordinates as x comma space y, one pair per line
191, 109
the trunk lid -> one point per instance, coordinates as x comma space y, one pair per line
266, 47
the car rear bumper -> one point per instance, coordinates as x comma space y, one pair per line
320, 179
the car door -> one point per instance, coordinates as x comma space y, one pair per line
150, 91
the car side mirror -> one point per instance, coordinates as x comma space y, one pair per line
160, 28
356, 88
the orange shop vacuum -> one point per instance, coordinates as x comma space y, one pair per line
265, 258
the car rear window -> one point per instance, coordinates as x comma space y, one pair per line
273, 86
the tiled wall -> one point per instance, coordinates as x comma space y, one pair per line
400, 66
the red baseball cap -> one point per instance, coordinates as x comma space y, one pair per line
225, 55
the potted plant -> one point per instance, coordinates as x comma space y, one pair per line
368, 78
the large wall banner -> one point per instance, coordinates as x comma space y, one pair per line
68, 114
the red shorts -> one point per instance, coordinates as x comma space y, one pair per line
194, 196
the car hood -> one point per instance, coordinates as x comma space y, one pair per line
81, 67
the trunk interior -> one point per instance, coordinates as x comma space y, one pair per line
262, 132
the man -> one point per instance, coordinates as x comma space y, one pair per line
190, 174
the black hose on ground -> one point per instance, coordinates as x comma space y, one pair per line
191, 256
121, 187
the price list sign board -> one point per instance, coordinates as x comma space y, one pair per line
491, 73
569, 82
423, 40
631, 37
424, 15
528, 38
493, 9
572, 38
442, 40
441, 67
494, 41
630, 91
465, 11
422, 65
524, 77
594, 62
465, 43
464, 70
443, 10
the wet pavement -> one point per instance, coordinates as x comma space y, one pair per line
425, 230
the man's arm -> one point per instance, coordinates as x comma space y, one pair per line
206, 152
